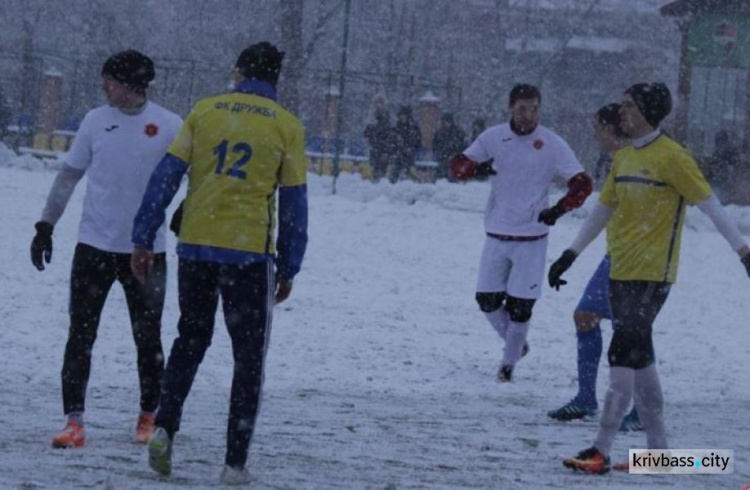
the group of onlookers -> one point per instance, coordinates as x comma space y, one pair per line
394, 148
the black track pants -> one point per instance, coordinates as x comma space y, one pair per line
247, 298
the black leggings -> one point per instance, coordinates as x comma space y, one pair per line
635, 305
94, 272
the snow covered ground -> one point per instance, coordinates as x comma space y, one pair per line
381, 372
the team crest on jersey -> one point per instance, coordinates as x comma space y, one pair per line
151, 130
538, 144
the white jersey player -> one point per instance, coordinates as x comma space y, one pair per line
117, 147
521, 159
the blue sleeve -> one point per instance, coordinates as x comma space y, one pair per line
162, 186
292, 239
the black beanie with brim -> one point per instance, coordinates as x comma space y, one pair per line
653, 100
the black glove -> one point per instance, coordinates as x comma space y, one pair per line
283, 289
550, 216
484, 169
559, 267
41, 245
746, 262
176, 221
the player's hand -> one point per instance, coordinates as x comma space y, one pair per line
746, 262
141, 262
550, 216
41, 245
283, 289
463, 168
484, 169
559, 267
176, 222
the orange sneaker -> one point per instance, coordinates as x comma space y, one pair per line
624, 466
589, 461
71, 436
144, 429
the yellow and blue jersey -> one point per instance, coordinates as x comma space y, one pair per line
237, 149
648, 188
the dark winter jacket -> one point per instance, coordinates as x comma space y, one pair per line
380, 136
407, 140
448, 142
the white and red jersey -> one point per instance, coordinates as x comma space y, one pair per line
119, 152
525, 166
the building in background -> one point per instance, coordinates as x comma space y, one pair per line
714, 86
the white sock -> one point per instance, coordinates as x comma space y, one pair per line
499, 321
650, 404
616, 403
514, 340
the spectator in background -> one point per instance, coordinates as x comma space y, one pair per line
379, 136
448, 142
407, 140
724, 165
4, 116
477, 128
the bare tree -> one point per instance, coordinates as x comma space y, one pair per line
291, 41
299, 52
30, 65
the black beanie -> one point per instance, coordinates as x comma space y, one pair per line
653, 100
131, 68
261, 61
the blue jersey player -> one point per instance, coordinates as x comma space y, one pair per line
594, 304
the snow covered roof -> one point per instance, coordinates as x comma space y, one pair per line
53, 72
429, 97
600, 44
601, 5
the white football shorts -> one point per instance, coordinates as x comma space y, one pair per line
513, 267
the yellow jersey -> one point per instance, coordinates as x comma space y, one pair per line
648, 188
239, 147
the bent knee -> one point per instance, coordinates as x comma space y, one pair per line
585, 320
489, 302
519, 310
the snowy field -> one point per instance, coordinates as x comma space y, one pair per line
381, 372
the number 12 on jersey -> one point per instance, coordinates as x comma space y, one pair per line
244, 153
